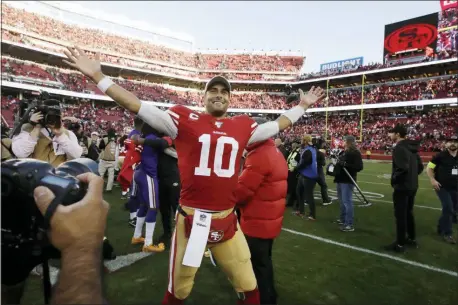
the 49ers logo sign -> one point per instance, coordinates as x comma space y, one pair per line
215, 236
412, 36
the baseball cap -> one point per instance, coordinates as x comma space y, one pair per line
351, 139
399, 128
94, 133
218, 80
452, 138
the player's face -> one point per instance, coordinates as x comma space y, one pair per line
216, 100
392, 136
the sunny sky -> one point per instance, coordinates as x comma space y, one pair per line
325, 31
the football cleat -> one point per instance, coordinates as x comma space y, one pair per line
138, 240
152, 248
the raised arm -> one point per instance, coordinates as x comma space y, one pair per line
149, 113
288, 118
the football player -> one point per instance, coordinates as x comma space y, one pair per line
146, 180
209, 147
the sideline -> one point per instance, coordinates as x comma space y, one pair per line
367, 251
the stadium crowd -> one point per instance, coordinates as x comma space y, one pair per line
421, 89
45, 33
428, 126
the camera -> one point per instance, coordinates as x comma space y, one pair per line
51, 114
23, 226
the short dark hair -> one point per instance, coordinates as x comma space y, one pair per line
400, 129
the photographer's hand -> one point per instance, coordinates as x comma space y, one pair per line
36, 117
77, 231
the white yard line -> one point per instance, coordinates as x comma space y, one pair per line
367, 251
380, 183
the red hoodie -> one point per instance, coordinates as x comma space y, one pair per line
261, 191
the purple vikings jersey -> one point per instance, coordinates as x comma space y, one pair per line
149, 158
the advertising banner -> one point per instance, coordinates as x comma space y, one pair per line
445, 5
342, 65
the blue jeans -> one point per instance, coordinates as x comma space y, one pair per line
448, 199
345, 195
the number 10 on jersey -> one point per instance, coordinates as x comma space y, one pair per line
204, 169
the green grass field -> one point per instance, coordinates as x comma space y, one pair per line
317, 268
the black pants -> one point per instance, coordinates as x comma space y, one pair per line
403, 211
169, 195
261, 259
305, 189
323, 186
292, 185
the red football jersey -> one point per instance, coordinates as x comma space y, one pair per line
132, 157
209, 152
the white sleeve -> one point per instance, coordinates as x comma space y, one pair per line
23, 144
70, 145
263, 132
158, 119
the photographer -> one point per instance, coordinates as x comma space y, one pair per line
44, 138
93, 151
76, 231
349, 163
292, 161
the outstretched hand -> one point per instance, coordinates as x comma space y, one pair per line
77, 58
313, 96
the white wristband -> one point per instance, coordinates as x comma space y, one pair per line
104, 84
294, 114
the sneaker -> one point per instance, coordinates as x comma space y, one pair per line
327, 203
347, 229
412, 243
311, 218
137, 240
395, 247
338, 221
154, 248
450, 240
133, 222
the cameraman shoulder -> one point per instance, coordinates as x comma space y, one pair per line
27, 127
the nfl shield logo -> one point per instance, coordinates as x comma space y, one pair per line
203, 217
218, 124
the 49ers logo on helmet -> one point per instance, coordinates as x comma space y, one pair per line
215, 236
412, 36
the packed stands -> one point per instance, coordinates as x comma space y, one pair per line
420, 89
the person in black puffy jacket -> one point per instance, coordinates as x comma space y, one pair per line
407, 165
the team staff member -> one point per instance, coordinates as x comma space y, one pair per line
443, 174
292, 161
261, 193
406, 167
108, 158
169, 190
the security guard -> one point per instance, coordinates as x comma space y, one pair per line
443, 174
292, 161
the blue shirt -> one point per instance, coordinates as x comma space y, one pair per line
149, 158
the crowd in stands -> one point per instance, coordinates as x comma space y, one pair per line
37, 30
421, 89
429, 126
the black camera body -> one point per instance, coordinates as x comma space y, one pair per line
51, 115
22, 222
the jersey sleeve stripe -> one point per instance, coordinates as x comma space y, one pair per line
177, 116
175, 121
254, 125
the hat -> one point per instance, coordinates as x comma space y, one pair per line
452, 138
218, 80
307, 139
351, 139
399, 128
94, 133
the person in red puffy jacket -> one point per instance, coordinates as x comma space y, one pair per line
261, 197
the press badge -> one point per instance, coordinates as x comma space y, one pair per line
197, 242
454, 171
331, 168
